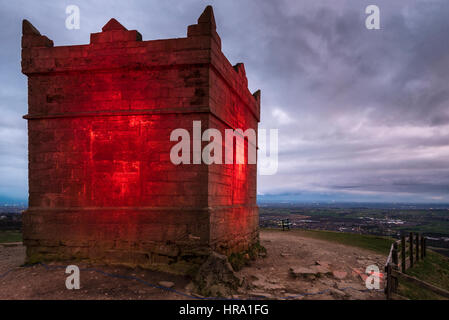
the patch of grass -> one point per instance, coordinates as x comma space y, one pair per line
377, 244
10, 236
240, 259
434, 269
413, 291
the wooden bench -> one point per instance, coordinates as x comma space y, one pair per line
285, 224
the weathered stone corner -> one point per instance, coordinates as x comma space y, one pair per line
31, 37
205, 27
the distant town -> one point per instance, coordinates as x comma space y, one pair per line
374, 219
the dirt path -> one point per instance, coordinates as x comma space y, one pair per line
341, 274
38, 282
266, 278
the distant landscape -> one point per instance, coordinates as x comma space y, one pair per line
392, 220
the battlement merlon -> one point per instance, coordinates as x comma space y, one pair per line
126, 50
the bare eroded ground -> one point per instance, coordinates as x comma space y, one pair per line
343, 269
268, 277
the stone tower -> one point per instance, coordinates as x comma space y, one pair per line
101, 183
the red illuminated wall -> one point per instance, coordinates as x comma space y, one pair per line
101, 183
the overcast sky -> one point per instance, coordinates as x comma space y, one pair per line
363, 115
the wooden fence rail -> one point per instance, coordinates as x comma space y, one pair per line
412, 249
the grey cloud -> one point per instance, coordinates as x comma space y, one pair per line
343, 87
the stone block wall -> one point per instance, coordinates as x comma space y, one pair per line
101, 183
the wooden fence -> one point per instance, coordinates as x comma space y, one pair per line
404, 254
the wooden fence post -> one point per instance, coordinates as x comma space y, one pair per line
425, 246
411, 249
422, 247
394, 255
417, 247
395, 258
388, 288
403, 257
